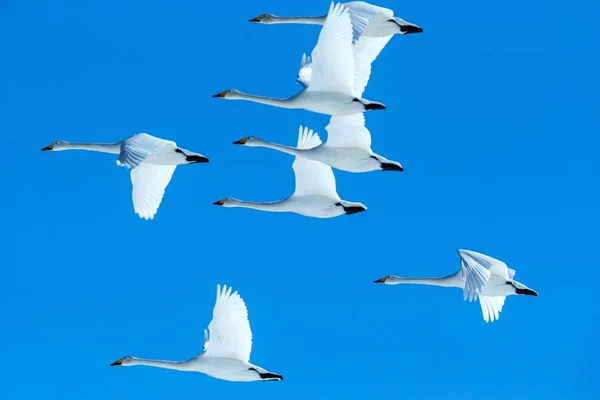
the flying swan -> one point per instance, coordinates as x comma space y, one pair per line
348, 146
340, 73
481, 277
226, 352
152, 161
315, 194
366, 19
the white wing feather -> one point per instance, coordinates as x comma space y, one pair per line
362, 13
313, 178
305, 71
474, 275
348, 131
230, 334
135, 149
333, 56
491, 307
149, 184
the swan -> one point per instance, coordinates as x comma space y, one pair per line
348, 146
480, 276
340, 73
152, 162
315, 194
226, 352
380, 21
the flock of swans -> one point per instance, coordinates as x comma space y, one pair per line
334, 78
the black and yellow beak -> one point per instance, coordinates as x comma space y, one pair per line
117, 363
257, 19
242, 141
48, 148
221, 95
220, 202
382, 280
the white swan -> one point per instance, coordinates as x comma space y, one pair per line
152, 161
481, 277
340, 74
315, 194
379, 21
226, 354
348, 146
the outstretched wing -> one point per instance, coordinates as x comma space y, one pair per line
305, 71
313, 178
230, 334
149, 184
475, 275
348, 131
333, 56
362, 13
135, 149
491, 307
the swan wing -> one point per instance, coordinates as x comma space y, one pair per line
475, 275
149, 184
348, 131
366, 50
313, 178
135, 149
491, 307
495, 266
305, 71
230, 334
333, 56
362, 14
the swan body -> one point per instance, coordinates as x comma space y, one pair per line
347, 147
315, 194
380, 21
480, 276
340, 75
227, 348
152, 162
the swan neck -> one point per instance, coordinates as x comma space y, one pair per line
113, 148
446, 281
300, 20
271, 101
279, 147
274, 206
177, 365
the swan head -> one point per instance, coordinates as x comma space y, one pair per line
227, 202
389, 165
229, 94
387, 280
406, 27
56, 146
123, 362
265, 19
249, 141
351, 207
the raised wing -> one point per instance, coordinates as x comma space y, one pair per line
313, 178
305, 71
230, 334
149, 184
333, 56
348, 131
135, 149
491, 307
495, 266
366, 50
362, 13
475, 275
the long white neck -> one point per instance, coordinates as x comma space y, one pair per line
298, 20
446, 281
113, 148
177, 365
271, 101
279, 147
275, 206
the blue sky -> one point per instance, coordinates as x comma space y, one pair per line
493, 112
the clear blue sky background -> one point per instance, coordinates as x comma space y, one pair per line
493, 111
